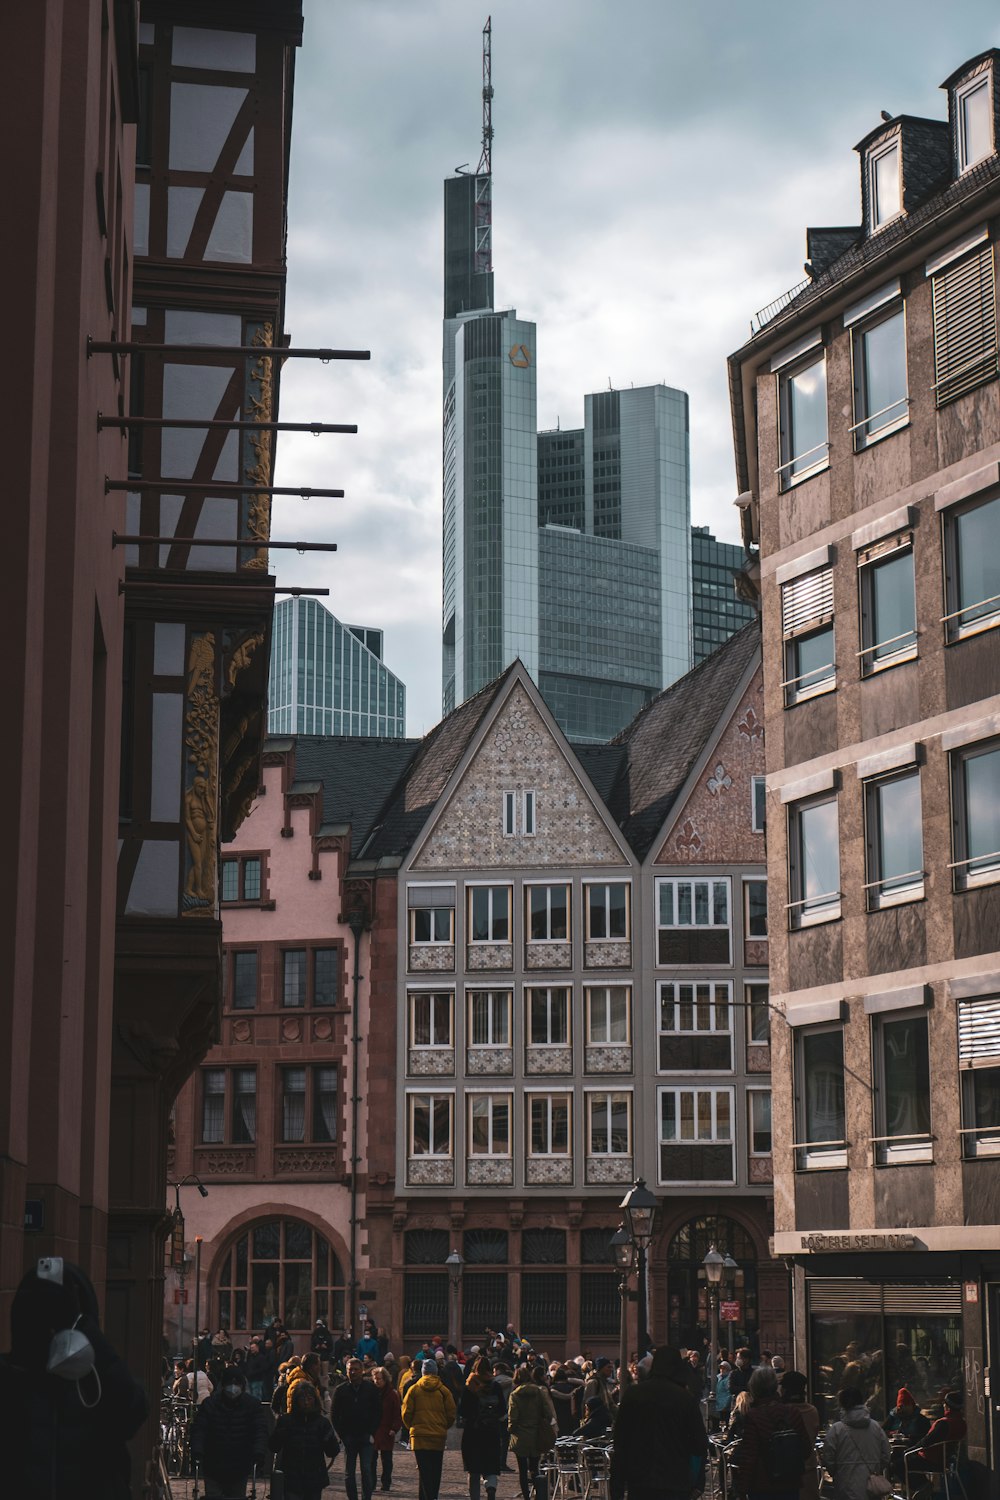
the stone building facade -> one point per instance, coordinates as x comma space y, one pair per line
868, 442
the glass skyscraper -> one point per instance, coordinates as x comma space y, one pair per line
716, 610
328, 678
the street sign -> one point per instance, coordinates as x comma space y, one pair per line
34, 1215
180, 1296
729, 1312
362, 1310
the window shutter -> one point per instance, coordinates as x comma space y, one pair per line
430, 897
806, 601
979, 1032
965, 326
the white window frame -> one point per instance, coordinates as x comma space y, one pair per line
491, 886
597, 998
715, 1092
813, 1156
434, 940
669, 992
548, 886
890, 1151
752, 1091
748, 1005
864, 434
787, 480
413, 1098
810, 911
870, 560
605, 886
978, 1051
754, 937
676, 882
493, 1097
506, 998
434, 1045
607, 1096
875, 879
957, 629
758, 804
549, 1097
989, 873
530, 990
518, 814
807, 608
962, 93
891, 147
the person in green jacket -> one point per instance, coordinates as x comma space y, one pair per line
531, 1421
428, 1412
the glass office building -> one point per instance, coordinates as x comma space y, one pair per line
716, 610
328, 678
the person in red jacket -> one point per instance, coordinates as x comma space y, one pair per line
932, 1455
392, 1421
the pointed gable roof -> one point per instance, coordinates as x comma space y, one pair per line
664, 741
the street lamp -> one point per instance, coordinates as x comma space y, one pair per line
177, 1235
714, 1264
454, 1266
623, 1251
640, 1207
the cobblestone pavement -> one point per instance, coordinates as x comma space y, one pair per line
454, 1483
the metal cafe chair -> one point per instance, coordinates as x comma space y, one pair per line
946, 1481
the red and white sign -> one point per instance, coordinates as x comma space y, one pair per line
180, 1296
729, 1312
971, 1291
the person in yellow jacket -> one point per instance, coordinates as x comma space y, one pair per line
428, 1412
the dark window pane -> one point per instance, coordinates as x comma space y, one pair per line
823, 1085
425, 1299
245, 980
426, 1247
324, 1104
265, 1293
298, 1296
294, 976
267, 1240
907, 1077
543, 1302
230, 880
251, 880
484, 1301
485, 1247
595, 1246
298, 1240
325, 976
242, 1255
600, 1304
543, 1247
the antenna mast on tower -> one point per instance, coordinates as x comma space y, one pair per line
484, 178
484, 168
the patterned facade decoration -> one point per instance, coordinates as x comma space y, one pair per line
608, 1060
483, 957
489, 1171
548, 1060
201, 780
519, 754
314, 1161
431, 958
609, 1169
758, 1059
234, 1162
761, 1169
549, 1169
482, 1061
428, 1062
607, 955
258, 449
755, 953
430, 1171
548, 956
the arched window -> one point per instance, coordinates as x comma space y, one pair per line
280, 1268
687, 1286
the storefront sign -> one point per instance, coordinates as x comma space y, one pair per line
729, 1312
859, 1241
180, 1296
970, 1291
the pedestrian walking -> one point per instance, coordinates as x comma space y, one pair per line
229, 1436
68, 1404
659, 1437
483, 1410
304, 1439
428, 1412
355, 1414
531, 1421
391, 1422
792, 1387
855, 1447
775, 1442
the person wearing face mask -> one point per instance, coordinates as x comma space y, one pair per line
229, 1436
305, 1440
68, 1404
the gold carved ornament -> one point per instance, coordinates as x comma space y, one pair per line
259, 408
201, 789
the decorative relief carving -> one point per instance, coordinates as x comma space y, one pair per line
755, 953
484, 1060
761, 1169
242, 655
719, 781
242, 1031
482, 956
758, 1059
609, 1169
607, 955
322, 1028
358, 900
313, 1160
430, 1171
257, 468
431, 958
226, 1162
750, 726
428, 1062
291, 1029
482, 1171
548, 1060
548, 956
201, 779
689, 840
543, 1169
608, 1059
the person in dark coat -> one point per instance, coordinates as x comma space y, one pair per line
229, 1436
597, 1421
483, 1409
64, 1434
566, 1391
305, 1440
658, 1434
766, 1415
356, 1414
257, 1369
391, 1422
321, 1342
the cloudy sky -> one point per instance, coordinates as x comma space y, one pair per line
655, 165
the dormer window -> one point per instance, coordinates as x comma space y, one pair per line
884, 184
974, 109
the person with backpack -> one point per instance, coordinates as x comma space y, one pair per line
775, 1443
483, 1409
659, 1437
855, 1447
305, 1440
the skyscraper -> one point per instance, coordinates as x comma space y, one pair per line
717, 611
328, 678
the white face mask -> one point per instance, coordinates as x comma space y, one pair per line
71, 1354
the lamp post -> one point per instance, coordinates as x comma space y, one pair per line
640, 1207
178, 1260
714, 1265
624, 1253
454, 1265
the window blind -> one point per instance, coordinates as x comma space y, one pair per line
965, 325
806, 601
430, 897
979, 1032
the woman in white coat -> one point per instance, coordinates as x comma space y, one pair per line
854, 1448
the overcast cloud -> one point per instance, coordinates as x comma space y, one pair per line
655, 165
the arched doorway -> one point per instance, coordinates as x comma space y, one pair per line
688, 1315
279, 1268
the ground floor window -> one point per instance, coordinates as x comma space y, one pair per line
883, 1336
688, 1309
280, 1268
